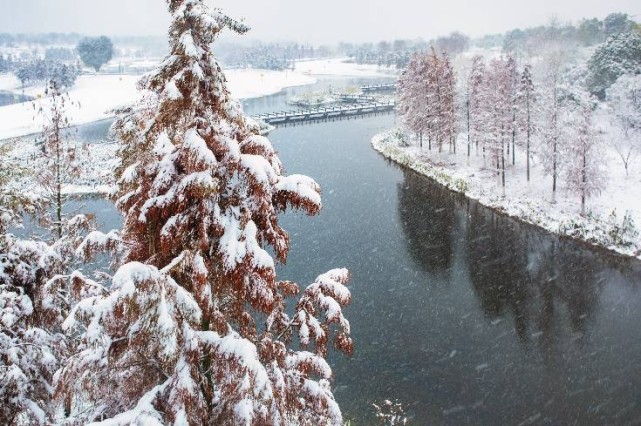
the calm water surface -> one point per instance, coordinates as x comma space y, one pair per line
8, 98
463, 315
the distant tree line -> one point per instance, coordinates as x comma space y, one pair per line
13, 40
587, 32
500, 107
397, 53
272, 56
45, 70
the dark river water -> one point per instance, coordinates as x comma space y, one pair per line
8, 98
462, 315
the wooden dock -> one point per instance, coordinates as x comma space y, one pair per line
326, 113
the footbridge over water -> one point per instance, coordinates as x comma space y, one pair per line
339, 112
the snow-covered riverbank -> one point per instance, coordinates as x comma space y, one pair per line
95, 96
611, 218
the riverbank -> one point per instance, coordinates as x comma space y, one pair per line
602, 226
94, 97
99, 93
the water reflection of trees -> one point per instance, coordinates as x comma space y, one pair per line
548, 287
536, 279
427, 214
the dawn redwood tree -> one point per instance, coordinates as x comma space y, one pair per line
551, 146
526, 106
624, 99
584, 171
476, 102
497, 113
512, 93
194, 328
35, 286
29, 352
448, 100
412, 104
61, 164
435, 99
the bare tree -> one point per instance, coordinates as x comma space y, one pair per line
624, 99
585, 158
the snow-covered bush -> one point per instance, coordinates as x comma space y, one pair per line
622, 232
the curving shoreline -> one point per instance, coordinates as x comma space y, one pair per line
594, 231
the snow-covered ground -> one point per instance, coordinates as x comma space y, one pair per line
342, 66
253, 83
95, 96
531, 202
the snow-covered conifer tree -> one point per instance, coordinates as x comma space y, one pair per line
512, 93
194, 328
448, 100
411, 97
476, 102
29, 351
526, 106
497, 112
61, 157
551, 149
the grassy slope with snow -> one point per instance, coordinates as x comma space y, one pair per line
529, 202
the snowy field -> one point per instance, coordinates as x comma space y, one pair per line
342, 67
531, 202
94, 96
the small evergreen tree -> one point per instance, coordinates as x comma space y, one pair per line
29, 350
95, 51
61, 157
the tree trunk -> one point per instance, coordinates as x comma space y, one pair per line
503, 169
467, 105
527, 143
58, 180
584, 181
513, 143
554, 173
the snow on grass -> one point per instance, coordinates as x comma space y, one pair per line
530, 202
343, 66
253, 83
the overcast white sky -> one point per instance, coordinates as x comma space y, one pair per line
324, 21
